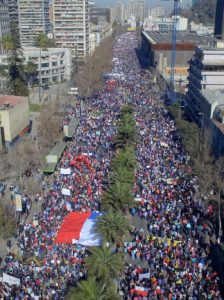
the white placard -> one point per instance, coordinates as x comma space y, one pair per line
66, 192
10, 279
138, 199
65, 171
145, 275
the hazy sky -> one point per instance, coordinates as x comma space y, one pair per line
108, 3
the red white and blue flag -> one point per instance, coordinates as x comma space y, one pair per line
78, 228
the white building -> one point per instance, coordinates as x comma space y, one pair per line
33, 20
201, 29
206, 72
71, 22
120, 11
53, 65
98, 34
158, 11
136, 8
112, 15
4, 21
165, 24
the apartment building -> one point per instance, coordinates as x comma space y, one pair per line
33, 19
206, 72
120, 11
71, 22
4, 20
136, 8
219, 20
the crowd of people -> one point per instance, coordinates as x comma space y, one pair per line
175, 248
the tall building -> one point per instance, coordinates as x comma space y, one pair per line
71, 22
4, 19
33, 19
120, 11
13, 11
136, 8
14, 20
219, 20
206, 72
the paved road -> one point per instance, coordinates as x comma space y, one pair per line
51, 94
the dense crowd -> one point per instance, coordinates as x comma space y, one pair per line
175, 247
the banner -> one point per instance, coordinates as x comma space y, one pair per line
65, 129
145, 275
18, 202
66, 192
10, 279
65, 171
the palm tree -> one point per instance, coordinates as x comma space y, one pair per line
42, 43
112, 226
104, 264
125, 158
30, 70
117, 197
122, 174
127, 109
8, 43
93, 289
126, 127
7, 46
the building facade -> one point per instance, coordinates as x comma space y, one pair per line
4, 21
165, 24
219, 20
206, 71
120, 11
33, 20
54, 66
71, 23
14, 119
158, 11
136, 8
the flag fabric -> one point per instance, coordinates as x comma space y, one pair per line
79, 228
141, 291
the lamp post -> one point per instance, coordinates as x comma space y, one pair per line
180, 98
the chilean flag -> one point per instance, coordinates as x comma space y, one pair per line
78, 228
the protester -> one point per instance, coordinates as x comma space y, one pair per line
175, 247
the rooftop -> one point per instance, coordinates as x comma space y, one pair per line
182, 37
10, 101
214, 95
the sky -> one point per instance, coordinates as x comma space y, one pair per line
110, 3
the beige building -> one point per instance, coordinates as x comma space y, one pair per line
14, 119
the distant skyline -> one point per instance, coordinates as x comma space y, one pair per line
152, 3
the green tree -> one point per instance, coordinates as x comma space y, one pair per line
117, 197
93, 289
127, 109
15, 66
17, 74
30, 71
112, 226
126, 130
104, 264
125, 158
121, 174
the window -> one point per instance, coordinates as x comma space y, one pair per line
54, 63
45, 65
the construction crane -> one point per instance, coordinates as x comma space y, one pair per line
174, 41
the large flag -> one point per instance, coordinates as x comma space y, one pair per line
79, 228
